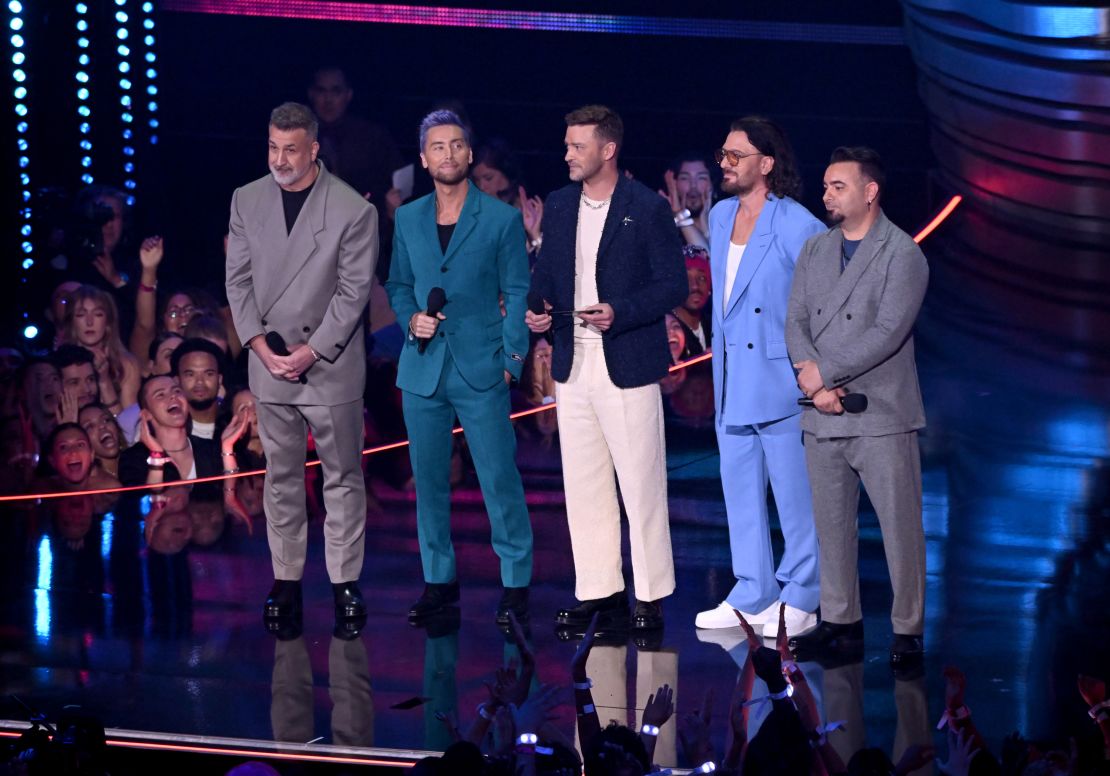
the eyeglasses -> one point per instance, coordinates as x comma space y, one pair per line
180, 312
733, 157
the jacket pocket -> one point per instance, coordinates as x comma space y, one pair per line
776, 349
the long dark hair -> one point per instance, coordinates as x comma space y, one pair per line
768, 137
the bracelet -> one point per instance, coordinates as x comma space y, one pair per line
649, 730
1099, 709
158, 454
537, 242
155, 463
586, 685
232, 471
484, 712
527, 739
953, 715
228, 455
683, 215
684, 222
789, 667
315, 355
586, 710
706, 767
149, 289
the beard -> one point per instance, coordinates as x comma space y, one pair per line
286, 176
833, 217
451, 178
202, 404
734, 186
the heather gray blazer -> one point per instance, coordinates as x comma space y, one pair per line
858, 327
311, 285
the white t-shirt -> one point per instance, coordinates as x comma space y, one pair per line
732, 266
591, 222
204, 430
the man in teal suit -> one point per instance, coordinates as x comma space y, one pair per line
459, 361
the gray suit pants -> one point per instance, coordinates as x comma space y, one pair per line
338, 433
890, 469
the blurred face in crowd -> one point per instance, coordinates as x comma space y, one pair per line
103, 431
694, 185
446, 154
179, 311
490, 180
59, 300
112, 231
90, 323
587, 152
292, 157
81, 378
10, 361
169, 531
676, 337
749, 172
699, 289
161, 364
72, 456
330, 94
73, 517
199, 376
165, 401
847, 192
42, 385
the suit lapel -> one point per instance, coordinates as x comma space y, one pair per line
615, 218
758, 244
298, 247
718, 260
468, 219
846, 281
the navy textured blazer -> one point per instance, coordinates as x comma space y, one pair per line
641, 273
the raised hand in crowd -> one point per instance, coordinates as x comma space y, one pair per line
236, 428
659, 709
67, 409
693, 232
589, 724
146, 328
695, 731
531, 209
1093, 691
961, 751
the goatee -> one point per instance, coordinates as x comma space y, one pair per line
202, 404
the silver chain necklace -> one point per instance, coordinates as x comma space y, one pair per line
591, 205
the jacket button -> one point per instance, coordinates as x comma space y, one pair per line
818, 310
750, 346
849, 316
443, 269
758, 310
263, 321
441, 334
306, 330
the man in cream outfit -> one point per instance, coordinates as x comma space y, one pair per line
300, 256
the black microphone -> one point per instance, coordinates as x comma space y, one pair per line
537, 307
437, 300
277, 344
854, 403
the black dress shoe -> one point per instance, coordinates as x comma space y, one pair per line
349, 604
285, 628
906, 650
284, 601
515, 600
648, 616
830, 637
435, 598
612, 612
349, 629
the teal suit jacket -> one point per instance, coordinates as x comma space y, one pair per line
485, 263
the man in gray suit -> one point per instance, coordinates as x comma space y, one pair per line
854, 298
300, 257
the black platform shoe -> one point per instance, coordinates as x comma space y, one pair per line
435, 598
284, 601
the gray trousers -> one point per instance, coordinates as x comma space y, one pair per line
890, 469
338, 433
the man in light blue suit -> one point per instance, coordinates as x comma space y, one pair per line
755, 237
459, 361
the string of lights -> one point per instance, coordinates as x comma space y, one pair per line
22, 128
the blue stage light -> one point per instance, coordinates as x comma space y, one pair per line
20, 109
152, 106
86, 145
127, 118
121, 34
83, 110
154, 139
82, 93
127, 136
15, 6
153, 123
124, 83
16, 24
123, 50
87, 179
149, 40
150, 57
18, 57
20, 92
19, 75
84, 127
121, 17
129, 184
125, 101
83, 42
82, 8
82, 76
148, 7
83, 60
128, 167
82, 25
21, 127
22, 143
128, 151
86, 161
28, 263
31, 332
26, 230
148, 24
23, 162
17, 41
152, 90
27, 247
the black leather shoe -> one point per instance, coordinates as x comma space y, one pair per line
434, 599
647, 616
906, 650
284, 600
349, 629
612, 612
830, 637
349, 604
515, 600
285, 628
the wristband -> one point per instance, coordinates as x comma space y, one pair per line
484, 713
1099, 709
706, 767
587, 709
649, 730
158, 454
586, 685
683, 215
684, 222
527, 739
775, 696
789, 667
157, 462
953, 715
149, 289
537, 242
232, 471
820, 735
228, 455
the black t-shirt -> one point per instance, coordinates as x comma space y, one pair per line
292, 202
445, 232
847, 251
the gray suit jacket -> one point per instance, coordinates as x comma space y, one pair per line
311, 285
858, 327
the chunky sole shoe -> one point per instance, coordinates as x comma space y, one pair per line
284, 601
612, 612
435, 598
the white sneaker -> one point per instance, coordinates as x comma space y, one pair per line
797, 623
724, 617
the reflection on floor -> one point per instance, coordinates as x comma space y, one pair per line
157, 627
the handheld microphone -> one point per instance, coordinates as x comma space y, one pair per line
536, 305
854, 403
437, 300
277, 344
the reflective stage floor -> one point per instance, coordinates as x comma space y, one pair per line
158, 628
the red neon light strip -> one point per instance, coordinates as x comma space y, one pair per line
929, 229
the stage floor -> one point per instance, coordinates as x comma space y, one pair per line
161, 631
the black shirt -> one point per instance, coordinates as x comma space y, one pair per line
292, 202
445, 232
847, 251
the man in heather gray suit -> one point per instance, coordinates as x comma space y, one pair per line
300, 257
855, 296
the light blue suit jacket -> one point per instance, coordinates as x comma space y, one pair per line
753, 379
485, 263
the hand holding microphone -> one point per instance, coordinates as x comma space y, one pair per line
423, 325
276, 343
853, 403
